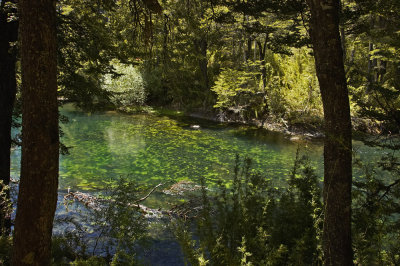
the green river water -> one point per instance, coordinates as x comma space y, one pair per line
156, 148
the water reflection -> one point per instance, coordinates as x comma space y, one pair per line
123, 141
153, 149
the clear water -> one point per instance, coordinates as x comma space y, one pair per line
152, 149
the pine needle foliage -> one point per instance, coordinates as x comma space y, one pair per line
376, 209
254, 223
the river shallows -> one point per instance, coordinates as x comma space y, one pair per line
155, 148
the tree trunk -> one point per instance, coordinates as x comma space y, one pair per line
262, 50
165, 40
248, 51
203, 62
337, 147
371, 68
9, 32
343, 42
37, 196
255, 50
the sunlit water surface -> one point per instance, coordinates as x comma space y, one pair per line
153, 149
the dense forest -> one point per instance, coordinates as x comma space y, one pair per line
315, 70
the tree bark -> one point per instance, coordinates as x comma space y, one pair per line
343, 42
37, 196
248, 51
371, 66
202, 47
9, 32
337, 146
203, 62
262, 50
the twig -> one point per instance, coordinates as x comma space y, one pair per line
151, 191
388, 188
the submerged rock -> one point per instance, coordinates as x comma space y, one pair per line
181, 187
194, 126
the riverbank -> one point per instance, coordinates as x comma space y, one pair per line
309, 128
298, 128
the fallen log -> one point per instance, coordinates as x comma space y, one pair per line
187, 210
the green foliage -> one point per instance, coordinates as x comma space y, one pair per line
256, 224
239, 91
301, 90
372, 46
5, 207
5, 238
376, 223
119, 218
93, 261
85, 50
157, 91
291, 90
5, 250
126, 87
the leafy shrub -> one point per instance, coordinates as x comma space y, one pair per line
253, 223
127, 87
238, 91
300, 88
5, 208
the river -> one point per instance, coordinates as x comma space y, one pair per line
153, 149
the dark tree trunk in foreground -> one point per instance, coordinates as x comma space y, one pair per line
37, 196
337, 148
8, 34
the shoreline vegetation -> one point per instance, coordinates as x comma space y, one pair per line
304, 128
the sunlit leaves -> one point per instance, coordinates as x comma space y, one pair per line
127, 88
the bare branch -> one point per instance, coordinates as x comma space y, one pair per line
151, 191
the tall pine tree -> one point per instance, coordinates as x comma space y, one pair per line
337, 146
37, 196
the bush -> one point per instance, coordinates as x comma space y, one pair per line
127, 87
376, 209
256, 224
238, 91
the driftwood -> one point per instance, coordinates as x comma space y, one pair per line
151, 191
181, 188
186, 210
95, 203
84, 198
